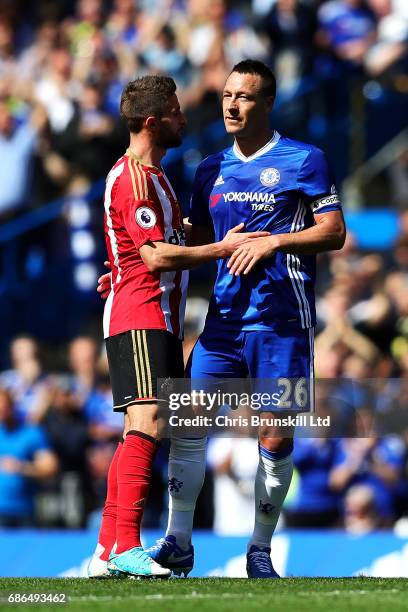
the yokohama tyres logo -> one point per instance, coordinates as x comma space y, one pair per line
243, 196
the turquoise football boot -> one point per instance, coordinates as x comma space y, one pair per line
136, 562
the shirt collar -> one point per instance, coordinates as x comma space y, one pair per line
267, 147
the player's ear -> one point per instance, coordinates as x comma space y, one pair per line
269, 102
151, 123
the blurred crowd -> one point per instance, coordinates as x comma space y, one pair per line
63, 66
58, 430
57, 436
62, 69
65, 419
355, 475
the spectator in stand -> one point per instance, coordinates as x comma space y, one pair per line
18, 142
88, 143
373, 462
162, 56
339, 332
82, 358
234, 464
25, 457
67, 428
315, 504
55, 89
291, 26
34, 59
95, 399
366, 319
105, 72
371, 313
361, 515
206, 36
347, 29
218, 37
85, 36
125, 31
26, 382
121, 25
391, 46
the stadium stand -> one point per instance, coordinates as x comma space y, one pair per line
62, 68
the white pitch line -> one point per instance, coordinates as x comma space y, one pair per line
195, 595
160, 597
351, 592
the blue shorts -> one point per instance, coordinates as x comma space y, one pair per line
271, 359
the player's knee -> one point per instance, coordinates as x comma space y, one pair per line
188, 448
142, 417
275, 444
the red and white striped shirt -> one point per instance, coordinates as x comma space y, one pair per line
140, 206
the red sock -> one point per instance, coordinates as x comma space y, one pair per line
107, 531
134, 474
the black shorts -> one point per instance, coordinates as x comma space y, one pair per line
137, 358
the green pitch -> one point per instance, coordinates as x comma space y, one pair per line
211, 594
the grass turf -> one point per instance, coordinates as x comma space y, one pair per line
215, 594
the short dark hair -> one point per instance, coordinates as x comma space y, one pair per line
250, 66
144, 97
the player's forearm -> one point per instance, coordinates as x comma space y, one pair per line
310, 241
170, 257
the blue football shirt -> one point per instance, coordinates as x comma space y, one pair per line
278, 189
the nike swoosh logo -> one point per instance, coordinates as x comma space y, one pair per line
173, 559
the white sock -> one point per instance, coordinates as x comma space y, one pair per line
186, 477
271, 486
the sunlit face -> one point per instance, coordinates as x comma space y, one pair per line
22, 351
171, 125
83, 355
245, 107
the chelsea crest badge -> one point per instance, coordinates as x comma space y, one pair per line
269, 177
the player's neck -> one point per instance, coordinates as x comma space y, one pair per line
146, 152
249, 146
